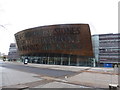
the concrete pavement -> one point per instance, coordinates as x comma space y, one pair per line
14, 77
56, 84
11, 78
88, 76
94, 79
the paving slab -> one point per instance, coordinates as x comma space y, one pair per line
94, 79
14, 77
60, 85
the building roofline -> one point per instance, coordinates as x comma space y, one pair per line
52, 26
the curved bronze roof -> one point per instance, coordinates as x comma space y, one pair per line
74, 39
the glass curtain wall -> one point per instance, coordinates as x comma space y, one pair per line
69, 60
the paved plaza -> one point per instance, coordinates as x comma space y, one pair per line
85, 77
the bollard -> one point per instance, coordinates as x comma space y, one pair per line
66, 77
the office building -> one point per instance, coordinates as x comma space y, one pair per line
13, 52
106, 48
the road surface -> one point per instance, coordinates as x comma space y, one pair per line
35, 70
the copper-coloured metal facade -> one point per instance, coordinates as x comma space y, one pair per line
71, 39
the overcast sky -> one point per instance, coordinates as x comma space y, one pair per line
17, 15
